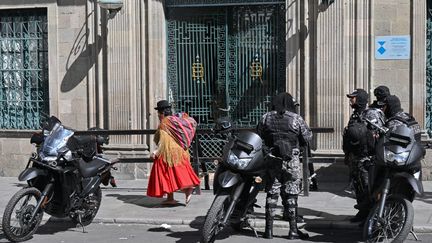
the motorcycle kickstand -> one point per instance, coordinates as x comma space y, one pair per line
414, 234
252, 228
80, 222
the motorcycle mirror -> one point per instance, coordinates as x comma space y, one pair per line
37, 138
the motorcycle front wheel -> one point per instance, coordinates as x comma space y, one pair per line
213, 221
395, 224
16, 217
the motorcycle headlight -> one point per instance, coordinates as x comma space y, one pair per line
398, 159
47, 158
234, 161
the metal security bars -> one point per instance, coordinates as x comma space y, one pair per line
429, 68
201, 3
225, 57
23, 68
241, 54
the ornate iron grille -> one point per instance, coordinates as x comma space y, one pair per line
257, 32
224, 42
225, 57
429, 69
190, 35
210, 147
201, 3
23, 68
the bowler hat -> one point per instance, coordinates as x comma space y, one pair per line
162, 104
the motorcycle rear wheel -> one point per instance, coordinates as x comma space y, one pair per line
90, 213
212, 224
16, 221
397, 221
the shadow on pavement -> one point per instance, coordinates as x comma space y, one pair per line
53, 226
195, 236
184, 236
336, 236
144, 201
306, 212
426, 197
20, 185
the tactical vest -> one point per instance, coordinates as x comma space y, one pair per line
357, 138
282, 136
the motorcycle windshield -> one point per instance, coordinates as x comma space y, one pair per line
55, 141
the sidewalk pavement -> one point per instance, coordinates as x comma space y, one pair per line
330, 207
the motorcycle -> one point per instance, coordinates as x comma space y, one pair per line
63, 177
237, 181
394, 179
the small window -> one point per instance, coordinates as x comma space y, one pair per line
24, 98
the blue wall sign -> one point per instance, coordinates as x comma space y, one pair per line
393, 47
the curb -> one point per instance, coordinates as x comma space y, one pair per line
259, 224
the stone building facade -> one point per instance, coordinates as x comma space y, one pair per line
110, 70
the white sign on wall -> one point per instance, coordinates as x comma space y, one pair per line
393, 47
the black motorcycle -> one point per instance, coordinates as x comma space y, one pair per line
63, 177
237, 181
394, 179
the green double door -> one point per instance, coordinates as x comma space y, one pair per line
226, 57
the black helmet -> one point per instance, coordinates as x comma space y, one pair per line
393, 105
283, 102
381, 92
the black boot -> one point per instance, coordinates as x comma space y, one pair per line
285, 216
295, 233
271, 203
268, 233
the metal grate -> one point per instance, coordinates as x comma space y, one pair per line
429, 69
201, 3
223, 57
211, 147
257, 34
23, 68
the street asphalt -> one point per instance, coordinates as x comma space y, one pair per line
328, 208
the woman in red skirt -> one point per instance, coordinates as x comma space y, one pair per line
171, 169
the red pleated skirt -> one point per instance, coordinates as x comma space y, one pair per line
165, 179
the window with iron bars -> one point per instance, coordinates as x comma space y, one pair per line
24, 98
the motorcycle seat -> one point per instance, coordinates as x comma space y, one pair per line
90, 169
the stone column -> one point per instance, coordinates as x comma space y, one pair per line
418, 65
293, 39
392, 18
156, 56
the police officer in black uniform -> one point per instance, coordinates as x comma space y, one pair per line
356, 145
283, 132
396, 116
381, 93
